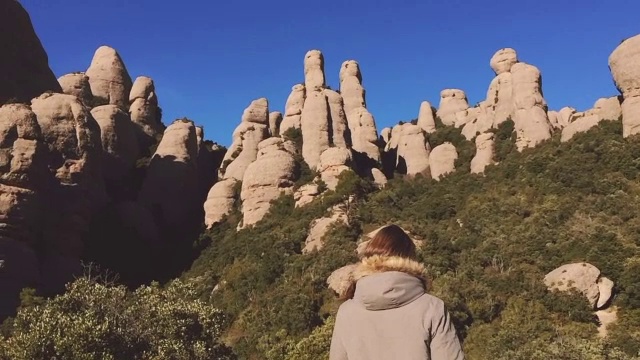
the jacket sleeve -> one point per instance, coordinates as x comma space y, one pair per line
444, 340
337, 350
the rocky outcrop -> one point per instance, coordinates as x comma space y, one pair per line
583, 277
119, 142
379, 178
412, 150
351, 87
503, 60
530, 109
315, 128
453, 106
442, 160
426, 121
340, 280
306, 194
624, 63
480, 119
270, 176
244, 149
333, 162
170, 189
24, 65
485, 150
603, 109
320, 227
362, 125
74, 156
341, 135
314, 71
77, 84
293, 109
144, 112
109, 79
220, 201
275, 119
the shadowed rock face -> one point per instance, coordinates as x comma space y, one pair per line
24, 65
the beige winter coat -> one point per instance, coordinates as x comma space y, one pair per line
392, 317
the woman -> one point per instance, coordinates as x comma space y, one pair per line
388, 314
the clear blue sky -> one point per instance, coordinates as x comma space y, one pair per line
210, 58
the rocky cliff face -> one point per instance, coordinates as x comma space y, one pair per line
24, 65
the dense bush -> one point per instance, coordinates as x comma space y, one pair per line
93, 320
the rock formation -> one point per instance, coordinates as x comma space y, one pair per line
319, 228
341, 135
145, 113
77, 84
266, 179
624, 65
485, 150
315, 127
220, 201
503, 60
306, 194
22, 186
426, 121
275, 119
244, 149
314, 71
333, 162
603, 109
108, 77
362, 125
583, 277
530, 108
408, 150
442, 160
453, 106
293, 109
24, 65
119, 142
170, 187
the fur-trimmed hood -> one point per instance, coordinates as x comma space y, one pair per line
384, 282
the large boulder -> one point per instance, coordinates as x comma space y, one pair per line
341, 135
442, 160
270, 176
503, 60
77, 84
530, 117
220, 201
253, 128
109, 79
24, 65
314, 70
293, 109
119, 142
426, 120
170, 188
351, 86
333, 162
315, 128
320, 227
275, 119
413, 151
624, 63
583, 277
485, 150
145, 113
500, 98
453, 106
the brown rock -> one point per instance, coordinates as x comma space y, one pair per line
110, 82
24, 65
77, 84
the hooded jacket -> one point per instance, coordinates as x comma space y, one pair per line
392, 317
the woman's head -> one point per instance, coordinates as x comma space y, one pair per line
391, 241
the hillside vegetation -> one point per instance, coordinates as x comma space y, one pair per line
489, 242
